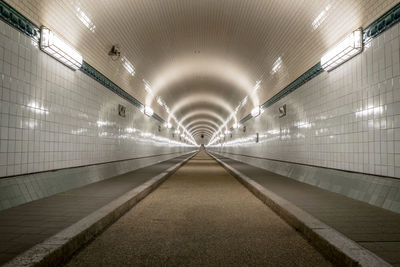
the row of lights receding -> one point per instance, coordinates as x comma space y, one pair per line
340, 53
53, 45
219, 134
57, 48
129, 67
275, 67
185, 134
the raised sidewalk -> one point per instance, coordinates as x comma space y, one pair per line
373, 228
31, 224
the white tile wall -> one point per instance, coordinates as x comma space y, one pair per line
52, 117
347, 119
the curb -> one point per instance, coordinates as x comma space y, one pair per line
57, 249
333, 245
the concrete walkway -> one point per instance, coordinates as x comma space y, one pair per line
200, 216
374, 228
26, 225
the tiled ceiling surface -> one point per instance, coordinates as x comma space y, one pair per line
203, 56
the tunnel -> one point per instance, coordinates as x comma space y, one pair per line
199, 133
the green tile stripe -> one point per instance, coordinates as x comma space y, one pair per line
380, 25
383, 23
305, 77
18, 21
308, 75
248, 117
155, 116
96, 75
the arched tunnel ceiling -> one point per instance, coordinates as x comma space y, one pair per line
202, 57
202, 127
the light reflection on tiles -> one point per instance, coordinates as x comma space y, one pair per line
52, 117
346, 119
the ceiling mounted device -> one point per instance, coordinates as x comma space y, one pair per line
115, 52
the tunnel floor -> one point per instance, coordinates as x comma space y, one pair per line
200, 216
29, 224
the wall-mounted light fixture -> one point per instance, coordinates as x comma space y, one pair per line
343, 51
148, 111
256, 111
115, 52
51, 44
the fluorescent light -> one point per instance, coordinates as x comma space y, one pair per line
346, 49
167, 125
128, 66
57, 48
227, 132
235, 126
256, 111
177, 131
148, 111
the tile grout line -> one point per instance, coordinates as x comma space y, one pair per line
59, 247
332, 244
